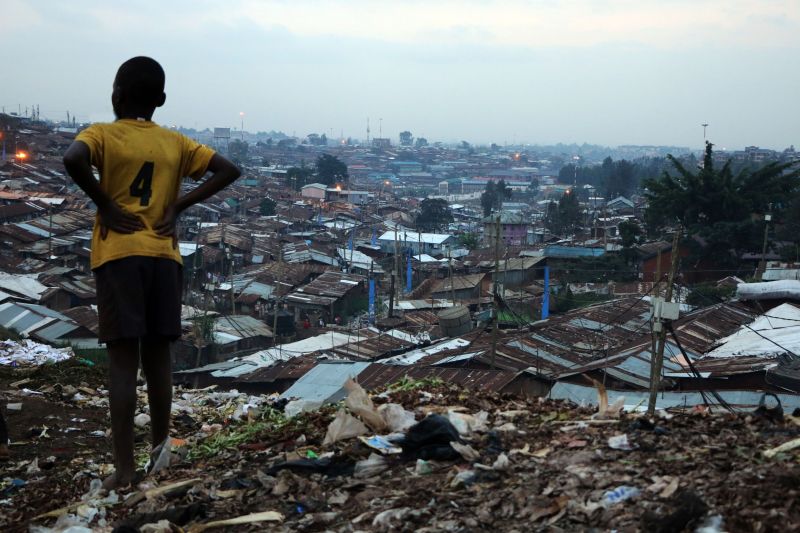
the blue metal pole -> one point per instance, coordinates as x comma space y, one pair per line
546, 295
408, 272
371, 300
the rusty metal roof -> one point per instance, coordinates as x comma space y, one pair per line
326, 289
377, 375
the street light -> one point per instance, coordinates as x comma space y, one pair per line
241, 115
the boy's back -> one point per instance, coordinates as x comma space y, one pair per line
134, 255
141, 165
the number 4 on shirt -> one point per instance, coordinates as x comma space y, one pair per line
141, 186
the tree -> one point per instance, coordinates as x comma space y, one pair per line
628, 231
564, 216
569, 212
494, 195
433, 214
237, 150
267, 207
488, 199
468, 240
406, 139
421, 142
297, 177
330, 170
723, 209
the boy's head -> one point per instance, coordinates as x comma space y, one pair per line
138, 88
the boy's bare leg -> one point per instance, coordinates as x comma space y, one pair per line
123, 364
157, 366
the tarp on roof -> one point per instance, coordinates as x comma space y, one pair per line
773, 333
325, 382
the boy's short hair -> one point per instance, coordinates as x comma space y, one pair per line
142, 80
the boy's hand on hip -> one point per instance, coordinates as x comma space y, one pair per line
166, 226
115, 218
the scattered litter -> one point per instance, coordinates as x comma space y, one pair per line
377, 442
360, 404
17, 406
467, 424
422, 467
372, 466
295, 407
785, 447
30, 353
620, 442
344, 426
619, 494
255, 518
141, 420
397, 419
467, 452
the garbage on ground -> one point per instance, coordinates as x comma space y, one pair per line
619, 442
619, 494
30, 353
785, 447
467, 424
360, 404
141, 420
381, 444
344, 426
471, 461
430, 438
371, 466
397, 419
295, 407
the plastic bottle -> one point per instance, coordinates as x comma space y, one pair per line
619, 494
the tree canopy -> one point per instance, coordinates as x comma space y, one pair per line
563, 217
494, 195
330, 170
297, 177
433, 215
722, 208
406, 139
237, 150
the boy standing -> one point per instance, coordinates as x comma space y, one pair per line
134, 246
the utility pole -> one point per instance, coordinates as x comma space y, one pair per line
494, 288
277, 300
763, 266
657, 361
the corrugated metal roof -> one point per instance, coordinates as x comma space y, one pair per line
380, 375
325, 382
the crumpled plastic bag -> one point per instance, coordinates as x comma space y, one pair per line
371, 466
430, 438
165, 455
467, 424
295, 407
344, 426
359, 402
397, 419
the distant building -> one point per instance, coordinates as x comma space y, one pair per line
513, 229
382, 143
314, 191
418, 243
444, 187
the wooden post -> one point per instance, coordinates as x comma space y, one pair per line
657, 361
496, 298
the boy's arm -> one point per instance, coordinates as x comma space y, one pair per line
224, 173
77, 161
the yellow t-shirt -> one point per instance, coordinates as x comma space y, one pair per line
141, 166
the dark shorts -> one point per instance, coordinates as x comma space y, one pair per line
139, 297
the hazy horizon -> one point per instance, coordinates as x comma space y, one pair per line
540, 72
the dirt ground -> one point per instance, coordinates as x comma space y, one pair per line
538, 466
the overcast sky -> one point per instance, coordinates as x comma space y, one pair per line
539, 71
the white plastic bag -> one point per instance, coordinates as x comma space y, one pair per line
344, 426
